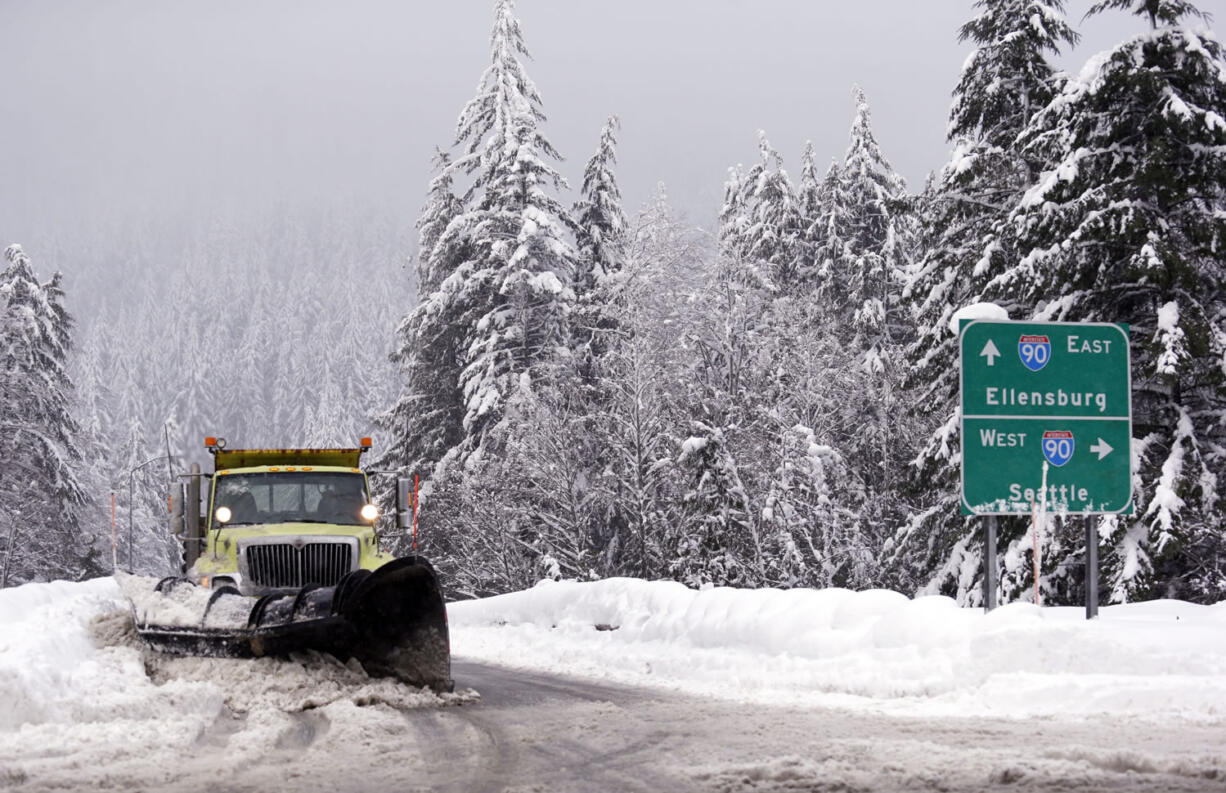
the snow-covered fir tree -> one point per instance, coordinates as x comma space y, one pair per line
829, 249
1127, 223
810, 207
600, 219
863, 256
42, 528
1005, 80
772, 238
512, 294
711, 546
760, 223
877, 234
495, 327
600, 256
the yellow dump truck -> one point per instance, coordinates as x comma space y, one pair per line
287, 540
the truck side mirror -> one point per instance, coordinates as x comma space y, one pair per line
404, 504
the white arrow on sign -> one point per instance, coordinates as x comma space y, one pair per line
1102, 448
991, 352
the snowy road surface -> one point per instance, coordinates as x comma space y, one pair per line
542, 732
629, 685
537, 732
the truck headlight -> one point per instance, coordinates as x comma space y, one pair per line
223, 514
369, 513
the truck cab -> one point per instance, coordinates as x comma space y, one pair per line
278, 520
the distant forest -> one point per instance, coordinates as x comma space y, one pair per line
589, 390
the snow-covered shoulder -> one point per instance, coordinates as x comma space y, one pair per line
876, 649
78, 686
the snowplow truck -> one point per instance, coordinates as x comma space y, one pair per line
282, 554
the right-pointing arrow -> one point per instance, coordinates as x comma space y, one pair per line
1102, 448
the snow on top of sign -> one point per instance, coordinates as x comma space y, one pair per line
989, 311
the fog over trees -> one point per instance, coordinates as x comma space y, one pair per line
590, 388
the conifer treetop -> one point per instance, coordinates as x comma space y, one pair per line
1007, 78
1158, 12
864, 159
601, 220
506, 99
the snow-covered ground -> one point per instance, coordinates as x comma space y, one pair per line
80, 695
877, 649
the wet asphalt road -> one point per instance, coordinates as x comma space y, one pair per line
533, 732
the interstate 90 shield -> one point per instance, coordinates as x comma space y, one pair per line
1058, 447
1035, 351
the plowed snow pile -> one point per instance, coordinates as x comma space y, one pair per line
80, 693
877, 649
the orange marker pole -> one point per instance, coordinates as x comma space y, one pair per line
414, 512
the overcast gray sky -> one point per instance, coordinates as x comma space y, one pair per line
150, 108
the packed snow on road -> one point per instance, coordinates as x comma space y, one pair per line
81, 694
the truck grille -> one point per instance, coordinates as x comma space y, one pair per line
282, 565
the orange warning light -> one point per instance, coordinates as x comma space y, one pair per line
366, 444
210, 441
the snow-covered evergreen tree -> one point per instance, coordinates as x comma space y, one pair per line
719, 522
864, 242
1127, 223
772, 239
1004, 82
601, 251
760, 223
601, 222
830, 251
877, 234
41, 498
734, 215
512, 294
493, 320
810, 208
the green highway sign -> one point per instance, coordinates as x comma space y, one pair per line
1046, 417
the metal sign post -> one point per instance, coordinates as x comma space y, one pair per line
1045, 395
989, 565
1091, 568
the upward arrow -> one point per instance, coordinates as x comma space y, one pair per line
990, 351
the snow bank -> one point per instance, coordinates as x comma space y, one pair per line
51, 672
876, 649
73, 672
73, 675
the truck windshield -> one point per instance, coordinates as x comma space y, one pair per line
291, 497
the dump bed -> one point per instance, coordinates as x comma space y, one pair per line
224, 459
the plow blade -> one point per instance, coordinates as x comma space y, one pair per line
392, 620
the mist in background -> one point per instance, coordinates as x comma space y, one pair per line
148, 119
230, 188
